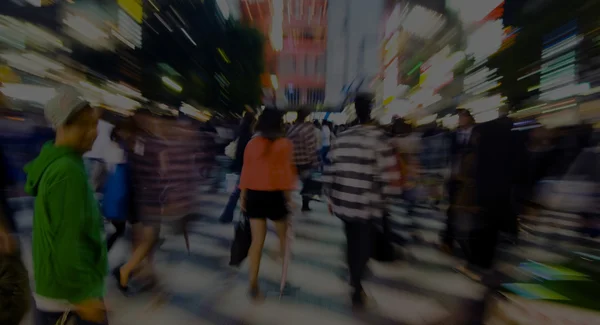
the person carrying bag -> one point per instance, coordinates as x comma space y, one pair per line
241, 242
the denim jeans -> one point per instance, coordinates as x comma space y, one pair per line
51, 318
410, 201
324, 153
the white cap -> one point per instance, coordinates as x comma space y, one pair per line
66, 103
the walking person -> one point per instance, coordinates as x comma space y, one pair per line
69, 248
267, 180
494, 155
407, 145
303, 137
244, 135
461, 144
125, 209
357, 183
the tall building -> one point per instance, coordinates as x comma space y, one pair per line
296, 49
353, 40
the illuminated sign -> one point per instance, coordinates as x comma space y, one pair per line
129, 30
393, 22
133, 8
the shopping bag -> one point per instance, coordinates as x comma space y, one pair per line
231, 149
115, 195
241, 241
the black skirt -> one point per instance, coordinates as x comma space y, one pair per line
266, 205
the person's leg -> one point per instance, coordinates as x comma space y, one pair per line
228, 214
281, 227
448, 233
359, 247
120, 227
304, 173
149, 238
351, 246
324, 153
259, 232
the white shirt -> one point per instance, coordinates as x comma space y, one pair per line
104, 149
326, 136
318, 137
464, 135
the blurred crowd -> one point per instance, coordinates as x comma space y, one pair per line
148, 171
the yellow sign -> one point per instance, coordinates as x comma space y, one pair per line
7, 75
133, 8
388, 100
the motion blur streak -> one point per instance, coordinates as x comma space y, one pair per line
463, 133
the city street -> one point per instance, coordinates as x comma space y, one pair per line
200, 288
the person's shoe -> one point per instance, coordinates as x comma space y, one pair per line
117, 275
446, 249
306, 209
359, 301
469, 273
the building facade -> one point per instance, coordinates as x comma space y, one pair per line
353, 44
296, 49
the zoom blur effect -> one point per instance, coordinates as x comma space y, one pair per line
299, 161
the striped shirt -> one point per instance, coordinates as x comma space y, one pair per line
362, 168
305, 144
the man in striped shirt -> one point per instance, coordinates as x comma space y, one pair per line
302, 135
357, 183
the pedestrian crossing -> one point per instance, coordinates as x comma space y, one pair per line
421, 288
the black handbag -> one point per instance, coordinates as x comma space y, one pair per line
241, 241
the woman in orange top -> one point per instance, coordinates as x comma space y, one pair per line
268, 177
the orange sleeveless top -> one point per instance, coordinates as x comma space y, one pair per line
269, 165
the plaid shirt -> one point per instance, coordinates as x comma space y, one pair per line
362, 169
305, 144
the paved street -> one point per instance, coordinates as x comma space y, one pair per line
420, 289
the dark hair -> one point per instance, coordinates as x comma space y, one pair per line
14, 290
362, 105
248, 119
303, 113
401, 127
466, 113
270, 121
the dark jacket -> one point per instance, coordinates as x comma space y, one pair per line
497, 153
243, 137
5, 181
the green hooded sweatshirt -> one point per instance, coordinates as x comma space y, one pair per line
69, 246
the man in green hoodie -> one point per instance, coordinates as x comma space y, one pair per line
69, 247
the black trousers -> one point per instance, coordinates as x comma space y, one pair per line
359, 237
120, 227
481, 248
305, 177
483, 239
447, 234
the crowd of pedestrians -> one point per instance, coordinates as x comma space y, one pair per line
487, 174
